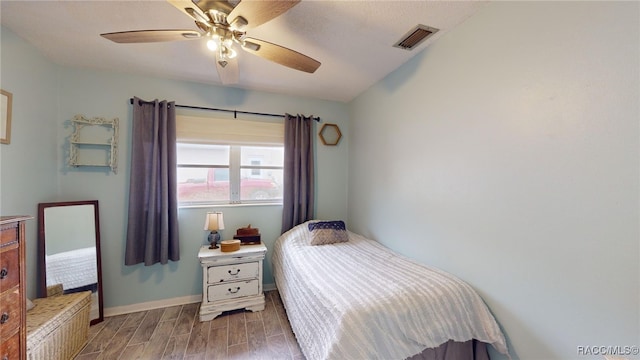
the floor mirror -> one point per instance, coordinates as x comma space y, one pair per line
69, 250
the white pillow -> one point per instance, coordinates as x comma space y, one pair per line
30, 305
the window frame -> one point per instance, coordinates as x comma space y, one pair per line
235, 168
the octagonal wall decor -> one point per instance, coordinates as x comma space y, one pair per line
330, 134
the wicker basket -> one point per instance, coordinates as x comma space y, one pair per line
58, 326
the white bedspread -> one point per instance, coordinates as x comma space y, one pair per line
72, 269
360, 300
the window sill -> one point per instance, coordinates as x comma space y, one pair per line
202, 206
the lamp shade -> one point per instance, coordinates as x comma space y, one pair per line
214, 221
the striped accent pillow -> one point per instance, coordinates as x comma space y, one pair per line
328, 232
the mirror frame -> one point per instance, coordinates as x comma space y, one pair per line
42, 248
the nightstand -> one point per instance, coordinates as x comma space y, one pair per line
231, 280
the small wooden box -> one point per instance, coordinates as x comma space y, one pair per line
229, 245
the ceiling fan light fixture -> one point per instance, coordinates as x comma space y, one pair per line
226, 52
212, 45
223, 45
231, 53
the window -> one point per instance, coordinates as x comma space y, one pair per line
255, 170
232, 170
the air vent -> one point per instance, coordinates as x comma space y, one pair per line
415, 36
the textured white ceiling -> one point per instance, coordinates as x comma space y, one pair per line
352, 39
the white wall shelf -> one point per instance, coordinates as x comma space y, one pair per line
94, 142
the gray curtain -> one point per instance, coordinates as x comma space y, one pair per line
152, 230
298, 195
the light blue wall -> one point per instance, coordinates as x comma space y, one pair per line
28, 163
507, 154
42, 128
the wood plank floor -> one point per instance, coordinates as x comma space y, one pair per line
176, 333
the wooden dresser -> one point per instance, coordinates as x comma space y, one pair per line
13, 312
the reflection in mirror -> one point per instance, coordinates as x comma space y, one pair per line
69, 250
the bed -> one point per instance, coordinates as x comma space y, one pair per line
84, 275
356, 299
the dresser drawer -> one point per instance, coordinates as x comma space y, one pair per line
8, 234
10, 309
9, 269
233, 290
218, 274
10, 348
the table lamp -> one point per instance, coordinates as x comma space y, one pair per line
214, 222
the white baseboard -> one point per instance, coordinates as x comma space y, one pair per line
150, 305
269, 287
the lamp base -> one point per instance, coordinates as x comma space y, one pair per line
213, 238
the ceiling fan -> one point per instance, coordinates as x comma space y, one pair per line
224, 25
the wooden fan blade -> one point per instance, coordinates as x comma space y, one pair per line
257, 12
229, 72
282, 55
191, 9
146, 36
218, 5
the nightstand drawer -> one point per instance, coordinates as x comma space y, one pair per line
233, 290
218, 274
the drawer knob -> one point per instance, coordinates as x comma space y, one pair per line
234, 291
236, 273
5, 317
6, 357
3, 273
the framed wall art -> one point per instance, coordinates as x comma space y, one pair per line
330, 134
5, 120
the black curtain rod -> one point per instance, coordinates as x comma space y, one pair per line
235, 112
